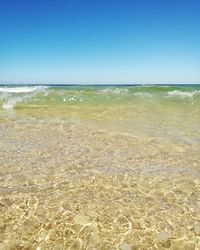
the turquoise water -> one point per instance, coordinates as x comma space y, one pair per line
16, 96
171, 111
100, 167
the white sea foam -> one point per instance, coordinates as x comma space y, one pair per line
144, 94
10, 103
73, 98
183, 93
113, 91
10, 95
20, 89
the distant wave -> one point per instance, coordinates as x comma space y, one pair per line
183, 93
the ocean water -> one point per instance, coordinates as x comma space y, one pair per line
100, 167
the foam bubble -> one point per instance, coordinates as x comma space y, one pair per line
163, 236
10, 95
114, 91
183, 93
10, 103
22, 89
145, 94
73, 98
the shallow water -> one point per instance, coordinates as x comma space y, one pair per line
100, 167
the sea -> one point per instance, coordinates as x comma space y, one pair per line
100, 166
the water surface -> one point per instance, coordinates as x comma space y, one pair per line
100, 167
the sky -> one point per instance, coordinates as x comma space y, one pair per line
100, 41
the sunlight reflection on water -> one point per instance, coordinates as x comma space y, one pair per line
118, 176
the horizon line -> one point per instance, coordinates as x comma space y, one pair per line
94, 84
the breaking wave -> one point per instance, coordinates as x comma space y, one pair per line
183, 93
22, 89
13, 95
73, 98
36, 96
113, 91
143, 94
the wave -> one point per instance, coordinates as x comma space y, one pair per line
113, 91
19, 96
10, 103
143, 94
11, 96
183, 93
73, 98
22, 89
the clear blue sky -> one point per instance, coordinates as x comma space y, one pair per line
94, 41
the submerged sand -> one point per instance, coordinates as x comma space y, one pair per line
99, 178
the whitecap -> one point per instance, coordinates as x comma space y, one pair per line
10, 103
73, 98
144, 94
113, 91
183, 93
10, 95
19, 89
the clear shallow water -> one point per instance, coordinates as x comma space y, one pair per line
104, 167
